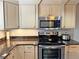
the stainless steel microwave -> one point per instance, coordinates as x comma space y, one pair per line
46, 23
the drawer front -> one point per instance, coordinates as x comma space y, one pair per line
29, 49
73, 48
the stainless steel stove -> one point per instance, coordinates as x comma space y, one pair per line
50, 46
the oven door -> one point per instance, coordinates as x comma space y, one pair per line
51, 52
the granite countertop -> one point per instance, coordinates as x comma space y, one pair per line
71, 42
24, 38
6, 51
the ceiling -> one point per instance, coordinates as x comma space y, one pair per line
13, 1
60, 2
44, 1
29, 1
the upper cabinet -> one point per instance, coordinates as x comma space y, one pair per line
8, 15
51, 7
27, 15
64, 8
11, 15
69, 16
46, 10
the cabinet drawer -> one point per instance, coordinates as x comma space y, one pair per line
29, 48
73, 48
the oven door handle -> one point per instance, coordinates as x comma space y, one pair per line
52, 47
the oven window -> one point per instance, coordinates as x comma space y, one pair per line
51, 53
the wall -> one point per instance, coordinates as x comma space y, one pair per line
31, 32
76, 31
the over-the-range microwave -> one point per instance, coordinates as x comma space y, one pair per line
45, 22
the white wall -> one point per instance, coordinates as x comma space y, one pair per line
76, 30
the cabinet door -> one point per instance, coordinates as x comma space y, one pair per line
11, 15
29, 52
66, 52
36, 52
73, 52
27, 16
69, 16
55, 10
20, 52
44, 10
16, 54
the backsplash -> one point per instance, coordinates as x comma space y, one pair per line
24, 32
31, 32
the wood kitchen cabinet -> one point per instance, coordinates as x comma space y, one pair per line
20, 52
23, 52
74, 52
8, 15
69, 16
68, 13
66, 55
46, 10
27, 14
29, 52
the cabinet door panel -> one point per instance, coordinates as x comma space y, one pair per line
20, 51
27, 16
73, 52
44, 10
29, 52
69, 16
11, 15
73, 55
66, 52
55, 10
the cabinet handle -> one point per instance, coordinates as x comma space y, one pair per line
13, 57
27, 52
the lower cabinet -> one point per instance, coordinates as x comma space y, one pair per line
23, 52
29, 52
11, 55
20, 52
66, 55
74, 52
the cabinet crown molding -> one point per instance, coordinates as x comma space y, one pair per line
29, 1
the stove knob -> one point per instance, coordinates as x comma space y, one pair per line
50, 39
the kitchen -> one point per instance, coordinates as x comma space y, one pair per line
21, 30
